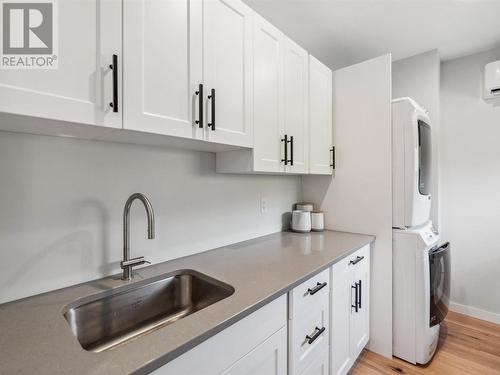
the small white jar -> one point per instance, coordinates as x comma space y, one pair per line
317, 221
301, 221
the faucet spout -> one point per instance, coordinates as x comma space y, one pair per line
128, 263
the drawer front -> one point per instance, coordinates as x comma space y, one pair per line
358, 259
308, 335
307, 294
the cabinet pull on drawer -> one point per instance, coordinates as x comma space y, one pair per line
357, 260
317, 333
317, 288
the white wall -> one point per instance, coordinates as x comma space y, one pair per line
359, 198
62, 200
470, 185
418, 78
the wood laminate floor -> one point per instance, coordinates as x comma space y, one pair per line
467, 346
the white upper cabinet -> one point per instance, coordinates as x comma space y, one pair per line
296, 106
212, 71
162, 66
280, 107
267, 97
227, 46
321, 151
81, 88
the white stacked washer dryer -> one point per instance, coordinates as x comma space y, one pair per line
421, 267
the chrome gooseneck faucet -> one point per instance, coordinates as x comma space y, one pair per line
128, 263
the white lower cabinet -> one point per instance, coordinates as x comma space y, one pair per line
250, 346
319, 366
350, 307
269, 358
320, 329
308, 323
360, 319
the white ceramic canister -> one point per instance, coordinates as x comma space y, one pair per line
301, 221
317, 221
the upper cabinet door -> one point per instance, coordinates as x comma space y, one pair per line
86, 35
320, 118
227, 27
296, 105
162, 42
268, 97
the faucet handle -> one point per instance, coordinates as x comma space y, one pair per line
133, 262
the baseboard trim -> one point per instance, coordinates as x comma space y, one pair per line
475, 312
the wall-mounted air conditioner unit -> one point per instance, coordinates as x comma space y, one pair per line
492, 81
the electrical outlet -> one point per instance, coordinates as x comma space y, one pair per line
263, 205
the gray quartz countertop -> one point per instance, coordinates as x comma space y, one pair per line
35, 337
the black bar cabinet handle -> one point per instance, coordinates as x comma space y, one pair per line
317, 333
356, 306
332, 150
317, 288
357, 260
291, 150
212, 98
200, 105
359, 291
114, 68
285, 142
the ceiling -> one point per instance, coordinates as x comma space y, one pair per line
344, 32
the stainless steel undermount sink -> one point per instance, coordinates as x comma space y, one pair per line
107, 319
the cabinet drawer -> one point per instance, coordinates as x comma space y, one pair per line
307, 294
359, 258
308, 335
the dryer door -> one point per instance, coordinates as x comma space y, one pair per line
439, 263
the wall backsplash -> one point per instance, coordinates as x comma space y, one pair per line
62, 203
